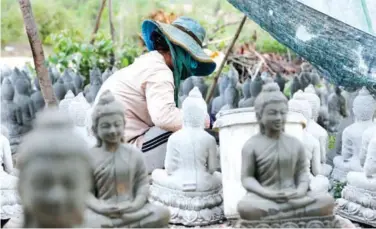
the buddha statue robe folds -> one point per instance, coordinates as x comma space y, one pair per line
190, 186
121, 184
275, 173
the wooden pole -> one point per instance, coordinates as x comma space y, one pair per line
38, 54
112, 30
211, 91
97, 22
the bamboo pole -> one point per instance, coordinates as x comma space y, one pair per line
211, 90
112, 30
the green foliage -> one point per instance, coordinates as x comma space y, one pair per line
332, 141
11, 21
70, 50
337, 189
271, 45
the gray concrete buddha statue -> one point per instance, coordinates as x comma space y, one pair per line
295, 85
54, 177
275, 173
37, 96
247, 100
256, 86
5, 72
11, 114
198, 81
22, 98
59, 89
78, 81
280, 81
186, 87
95, 85
231, 93
119, 197
107, 73
68, 81
337, 109
189, 185
219, 101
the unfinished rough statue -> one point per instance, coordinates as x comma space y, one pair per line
121, 184
364, 107
337, 109
312, 147
54, 177
219, 101
247, 100
358, 200
190, 186
275, 172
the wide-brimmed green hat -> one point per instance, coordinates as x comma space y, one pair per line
186, 33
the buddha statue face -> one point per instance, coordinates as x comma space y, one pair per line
108, 121
271, 108
7, 90
110, 128
274, 116
194, 109
54, 177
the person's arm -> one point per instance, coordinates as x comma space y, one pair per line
159, 93
8, 163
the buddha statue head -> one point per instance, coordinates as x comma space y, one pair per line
7, 90
364, 106
271, 108
300, 106
78, 110
54, 175
247, 88
95, 76
311, 96
22, 86
194, 109
306, 67
108, 121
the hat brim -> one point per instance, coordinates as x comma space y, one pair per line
206, 65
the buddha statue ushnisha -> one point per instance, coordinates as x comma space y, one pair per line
120, 181
275, 169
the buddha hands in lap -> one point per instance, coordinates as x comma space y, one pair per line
275, 170
121, 185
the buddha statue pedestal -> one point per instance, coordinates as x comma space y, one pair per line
235, 128
306, 222
189, 185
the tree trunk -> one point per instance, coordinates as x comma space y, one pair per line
38, 54
112, 30
97, 21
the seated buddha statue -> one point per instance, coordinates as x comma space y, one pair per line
358, 200
364, 107
189, 185
275, 172
119, 197
318, 182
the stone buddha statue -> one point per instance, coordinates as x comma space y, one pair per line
256, 85
219, 101
95, 84
59, 89
78, 82
358, 200
280, 81
337, 109
315, 129
247, 100
295, 86
364, 107
10, 201
22, 98
312, 147
186, 87
189, 185
275, 172
37, 96
199, 82
68, 81
11, 114
64, 104
106, 74
231, 93
77, 110
305, 79
119, 197
54, 177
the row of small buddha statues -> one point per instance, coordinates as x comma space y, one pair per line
275, 171
21, 97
